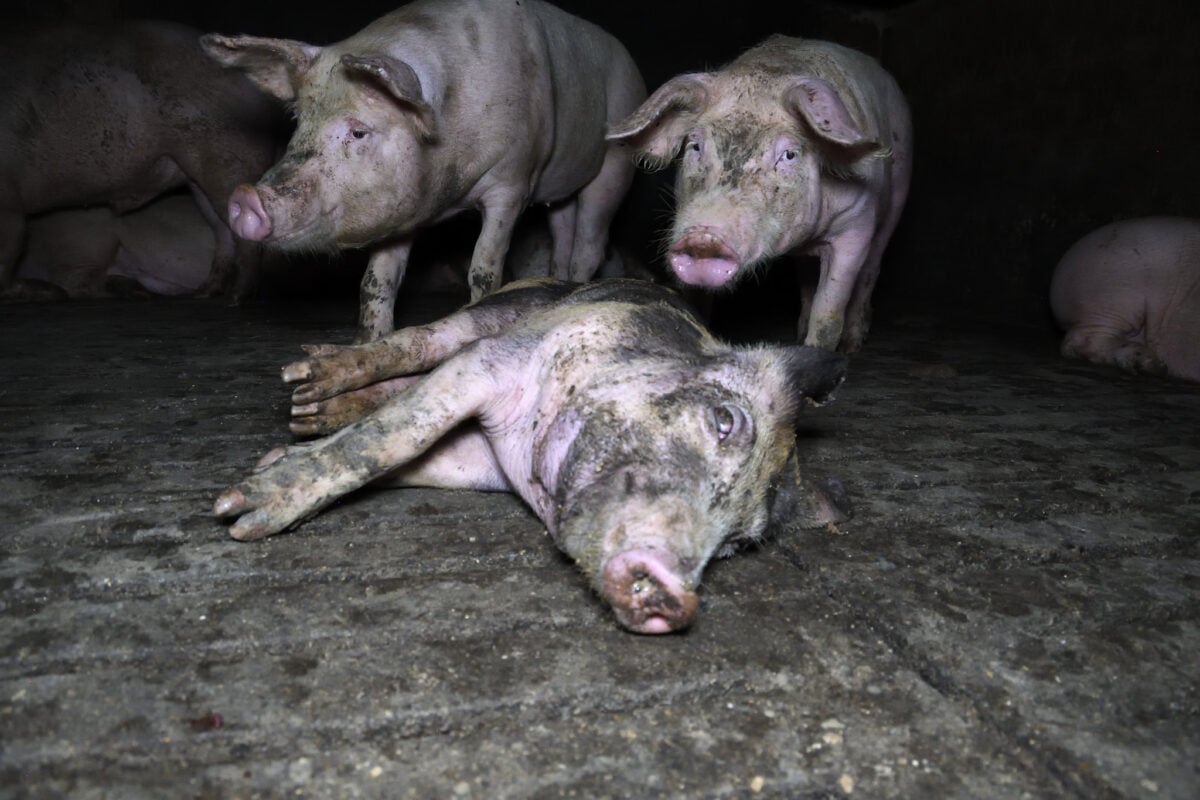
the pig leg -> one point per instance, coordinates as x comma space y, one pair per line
500, 213
462, 459
562, 218
324, 417
597, 204
304, 480
841, 261
1108, 347
224, 250
858, 310
858, 314
377, 293
332, 370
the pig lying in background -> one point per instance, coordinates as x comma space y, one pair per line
1128, 294
118, 115
643, 444
799, 147
165, 248
436, 108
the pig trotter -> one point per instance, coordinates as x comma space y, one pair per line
327, 416
331, 370
287, 486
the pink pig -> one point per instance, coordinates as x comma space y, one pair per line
798, 146
437, 108
1128, 295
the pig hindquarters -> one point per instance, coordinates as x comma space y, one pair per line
1128, 294
643, 444
440, 107
117, 116
797, 147
163, 248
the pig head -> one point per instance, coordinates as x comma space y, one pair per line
645, 446
440, 107
797, 147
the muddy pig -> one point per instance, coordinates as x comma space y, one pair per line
119, 114
165, 247
436, 108
644, 445
1128, 294
796, 147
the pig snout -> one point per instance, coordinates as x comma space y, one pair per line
701, 258
647, 594
247, 216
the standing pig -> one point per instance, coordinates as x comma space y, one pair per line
1128, 294
165, 247
440, 107
117, 115
643, 444
799, 147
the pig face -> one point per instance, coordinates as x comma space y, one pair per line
665, 472
753, 180
361, 120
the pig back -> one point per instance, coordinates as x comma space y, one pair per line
592, 81
525, 86
117, 114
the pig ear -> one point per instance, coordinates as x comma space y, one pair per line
274, 65
814, 374
797, 501
816, 102
400, 82
655, 130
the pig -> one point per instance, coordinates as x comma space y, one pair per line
644, 444
1128, 295
119, 114
440, 107
797, 147
163, 248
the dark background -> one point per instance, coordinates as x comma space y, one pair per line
1035, 120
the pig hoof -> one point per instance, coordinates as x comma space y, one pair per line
230, 503
645, 594
297, 372
270, 458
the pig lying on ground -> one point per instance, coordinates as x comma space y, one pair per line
1128, 294
798, 146
439, 107
165, 248
117, 115
643, 444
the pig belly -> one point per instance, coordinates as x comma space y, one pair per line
167, 247
463, 459
1128, 295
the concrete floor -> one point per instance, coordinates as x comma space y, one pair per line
1011, 613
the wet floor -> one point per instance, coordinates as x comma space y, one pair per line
1012, 612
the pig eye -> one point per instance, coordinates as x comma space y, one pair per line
788, 155
691, 144
727, 421
360, 133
